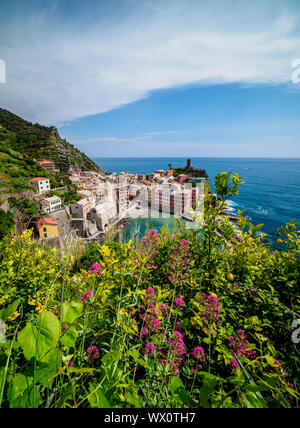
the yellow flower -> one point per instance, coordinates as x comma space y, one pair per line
230, 277
279, 241
39, 309
123, 313
14, 316
31, 302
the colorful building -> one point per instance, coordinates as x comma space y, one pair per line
41, 184
47, 228
52, 204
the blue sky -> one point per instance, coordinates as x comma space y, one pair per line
157, 77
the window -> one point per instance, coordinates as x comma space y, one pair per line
45, 235
45, 229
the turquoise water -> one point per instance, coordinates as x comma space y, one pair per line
270, 195
138, 227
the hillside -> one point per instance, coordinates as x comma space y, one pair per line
23, 143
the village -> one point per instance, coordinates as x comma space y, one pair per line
106, 200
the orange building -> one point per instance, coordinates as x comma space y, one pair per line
47, 227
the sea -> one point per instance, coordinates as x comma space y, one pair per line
270, 195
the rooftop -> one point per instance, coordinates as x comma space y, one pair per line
52, 199
46, 220
37, 179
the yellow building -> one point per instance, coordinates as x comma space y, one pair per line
47, 228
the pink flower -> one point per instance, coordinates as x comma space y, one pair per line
149, 246
234, 364
179, 303
199, 353
164, 310
150, 349
179, 263
156, 324
239, 345
95, 269
93, 354
87, 296
212, 309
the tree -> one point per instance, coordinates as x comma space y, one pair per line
6, 223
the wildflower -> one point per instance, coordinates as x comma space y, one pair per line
230, 277
199, 353
150, 349
14, 316
149, 246
212, 309
239, 345
179, 263
144, 331
93, 354
164, 310
39, 308
95, 269
177, 352
87, 296
155, 324
179, 303
234, 364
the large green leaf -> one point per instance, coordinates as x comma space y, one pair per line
137, 358
179, 392
209, 383
22, 393
71, 311
97, 399
38, 340
69, 337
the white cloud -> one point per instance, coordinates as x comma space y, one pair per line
59, 71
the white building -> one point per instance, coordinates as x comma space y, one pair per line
88, 194
105, 212
41, 184
81, 209
51, 205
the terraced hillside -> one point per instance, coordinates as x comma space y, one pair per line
22, 144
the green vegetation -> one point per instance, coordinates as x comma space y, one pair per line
180, 319
21, 142
69, 197
38, 142
6, 223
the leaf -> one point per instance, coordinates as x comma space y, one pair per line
137, 358
134, 400
37, 341
43, 372
69, 337
252, 401
71, 311
10, 310
178, 389
98, 400
209, 383
22, 393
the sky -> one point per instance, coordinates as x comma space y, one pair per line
134, 78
